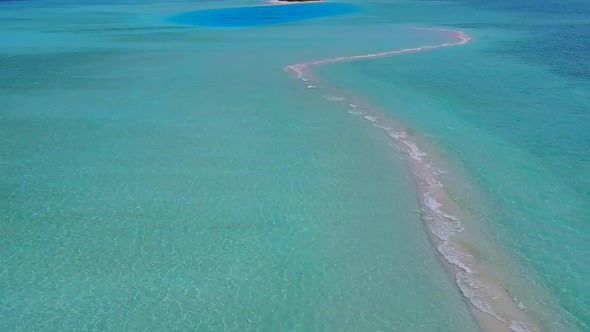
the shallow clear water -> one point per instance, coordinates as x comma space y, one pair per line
510, 113
156, 176
152, 180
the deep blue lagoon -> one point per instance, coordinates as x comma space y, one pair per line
262, 15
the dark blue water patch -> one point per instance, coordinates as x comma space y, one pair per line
560, 37
262, 15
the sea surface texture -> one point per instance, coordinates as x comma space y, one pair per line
368, 165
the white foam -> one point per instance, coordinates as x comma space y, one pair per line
455, 257
473, 291
333, 98
520, 327
382, 127
354, 112
415, 153
311, 87
352, 105
444, 226
370, 118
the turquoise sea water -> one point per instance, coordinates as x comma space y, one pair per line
510, 111
156, 176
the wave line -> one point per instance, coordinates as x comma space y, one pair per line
485, 296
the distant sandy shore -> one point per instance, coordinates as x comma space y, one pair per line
279, 2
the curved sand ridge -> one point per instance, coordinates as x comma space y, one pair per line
492, 305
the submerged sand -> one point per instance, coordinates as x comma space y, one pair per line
491, 304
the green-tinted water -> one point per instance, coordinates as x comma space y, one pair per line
156, 177
512, 128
